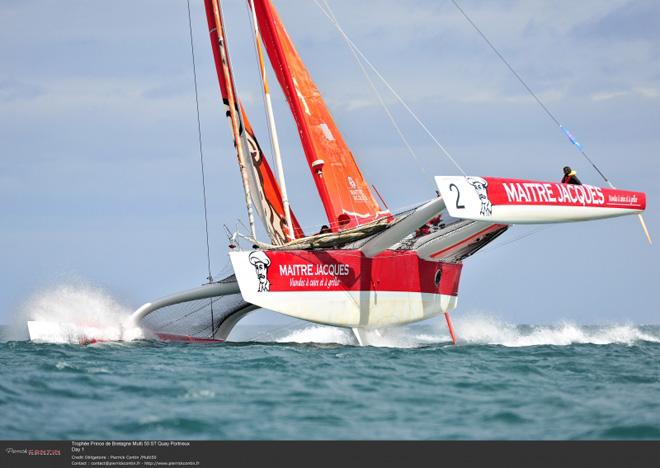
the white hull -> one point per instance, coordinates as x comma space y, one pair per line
71, 333
346, 288
357, 309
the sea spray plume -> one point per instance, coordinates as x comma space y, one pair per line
75, 302
79, 312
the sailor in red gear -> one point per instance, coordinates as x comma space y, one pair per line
570, 177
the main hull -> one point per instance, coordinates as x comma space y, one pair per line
346, 288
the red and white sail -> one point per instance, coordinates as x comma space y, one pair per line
263, 187
345, 194
269, 190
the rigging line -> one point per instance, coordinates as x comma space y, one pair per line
226, 268
393, 91
199, 140
287, 326
494, 247
378, 95
201, 160
532, 93
194, 310
564, 130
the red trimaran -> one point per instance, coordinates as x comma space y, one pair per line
372, 269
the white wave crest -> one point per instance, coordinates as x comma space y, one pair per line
477, 328
318, 334
402, 337
484, 329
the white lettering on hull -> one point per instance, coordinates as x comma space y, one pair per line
534, 192
326, 269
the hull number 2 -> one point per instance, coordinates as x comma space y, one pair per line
458, 196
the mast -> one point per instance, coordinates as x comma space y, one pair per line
271, 121
233, 113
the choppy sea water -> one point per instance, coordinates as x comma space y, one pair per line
502, 381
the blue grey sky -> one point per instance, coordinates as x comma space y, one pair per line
99, 169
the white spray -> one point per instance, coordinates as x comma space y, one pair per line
75, 313
478, 329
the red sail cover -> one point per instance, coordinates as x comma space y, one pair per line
266, 194
345, 194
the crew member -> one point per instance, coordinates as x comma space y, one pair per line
435, 221
570, 177
324, 229
422, 231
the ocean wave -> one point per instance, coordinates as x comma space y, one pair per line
318, 334
485, 329
80, 313
473, 329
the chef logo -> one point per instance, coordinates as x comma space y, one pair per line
261, 262
480, 186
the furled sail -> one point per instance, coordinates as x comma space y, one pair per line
344, 192
272, 197
263, 187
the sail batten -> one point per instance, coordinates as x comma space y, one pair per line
345, 194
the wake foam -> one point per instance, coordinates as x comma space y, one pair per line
475, 329
484, 329
319, 334
77, 313
401, 337
80, 313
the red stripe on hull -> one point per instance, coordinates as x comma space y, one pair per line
351, 270
503, 191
